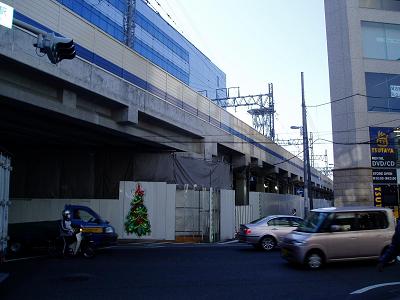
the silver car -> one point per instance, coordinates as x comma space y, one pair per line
266, 233
339, 233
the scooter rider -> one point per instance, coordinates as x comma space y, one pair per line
68, 232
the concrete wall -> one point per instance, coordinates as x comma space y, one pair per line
273, 204
159, 199
192, 216
35, 210
227, 227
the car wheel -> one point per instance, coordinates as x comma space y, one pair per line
314, 260
267, 243
88, 252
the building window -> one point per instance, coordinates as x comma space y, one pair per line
381, 41
381, 4
383, 92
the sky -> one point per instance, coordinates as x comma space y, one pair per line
256, 42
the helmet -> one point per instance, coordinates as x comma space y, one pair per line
66, 214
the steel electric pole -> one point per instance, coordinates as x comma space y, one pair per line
307, 169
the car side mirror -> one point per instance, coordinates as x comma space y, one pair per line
335, 228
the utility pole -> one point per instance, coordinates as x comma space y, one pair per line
307, 168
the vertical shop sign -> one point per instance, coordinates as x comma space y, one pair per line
377, 196
383, 154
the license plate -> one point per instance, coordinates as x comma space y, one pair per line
93, 229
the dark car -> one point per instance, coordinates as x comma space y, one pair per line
102, 233
28, 236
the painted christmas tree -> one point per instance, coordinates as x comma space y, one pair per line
137, 220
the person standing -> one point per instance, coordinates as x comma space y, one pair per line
392, 251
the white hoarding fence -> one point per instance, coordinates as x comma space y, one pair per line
6, 15
5, 168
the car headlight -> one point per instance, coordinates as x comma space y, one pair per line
109, 229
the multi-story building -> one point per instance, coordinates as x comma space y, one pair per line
136, 24
364, 67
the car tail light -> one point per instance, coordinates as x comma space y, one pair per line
247, 231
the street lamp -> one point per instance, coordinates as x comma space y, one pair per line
306, 154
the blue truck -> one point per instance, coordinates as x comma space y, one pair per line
35, 235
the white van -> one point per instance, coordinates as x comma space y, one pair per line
336, 234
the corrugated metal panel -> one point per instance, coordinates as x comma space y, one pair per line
156, 77
189, 96
248, 131
45, 12
239, 126
215, 111
74, 27
174, 87
225, 117
107, 48
233, 123
203, 105
135, 64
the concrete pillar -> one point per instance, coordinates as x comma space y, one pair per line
260, 184
241, 189
240, 164
353, 187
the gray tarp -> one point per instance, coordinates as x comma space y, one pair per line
96, 174
182, 170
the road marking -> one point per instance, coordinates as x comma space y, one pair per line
25, 258
229, 242
371, 287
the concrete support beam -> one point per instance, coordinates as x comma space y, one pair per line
240, 161
272, 170
69, 98
126, 115
210, 149
256, 162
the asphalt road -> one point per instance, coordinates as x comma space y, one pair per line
218, 271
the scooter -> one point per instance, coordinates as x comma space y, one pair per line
84, 245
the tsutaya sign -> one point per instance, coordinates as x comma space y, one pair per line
6, 15
383, 163
383, 152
